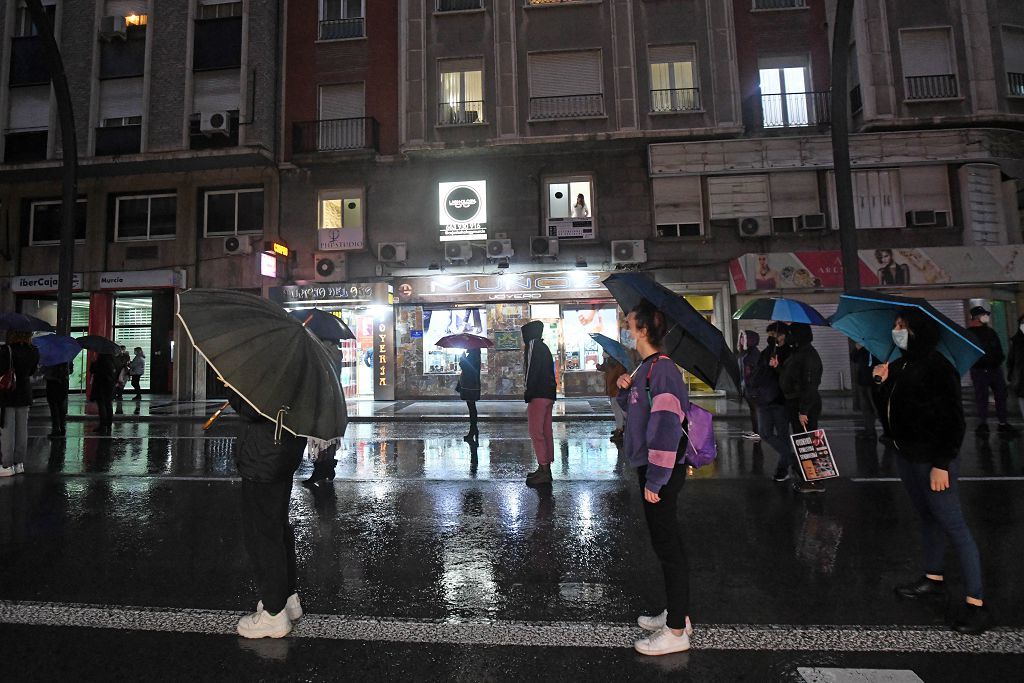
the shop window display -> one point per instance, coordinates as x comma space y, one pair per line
582, 353
438, 323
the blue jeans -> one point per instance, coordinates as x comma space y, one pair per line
941, 516
773, 421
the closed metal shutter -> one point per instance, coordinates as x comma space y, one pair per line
565, 73
216, 90
794, 194
120, 97
677, 200
342, 101
738, 196
983, 206
123, 8
30, 108
926, 52
668, 54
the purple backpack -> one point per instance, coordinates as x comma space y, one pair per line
700, 432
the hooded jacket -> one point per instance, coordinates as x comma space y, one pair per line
988, 339
256, 456
800, 374
1015, 363
25, 358
540, 366
749, 357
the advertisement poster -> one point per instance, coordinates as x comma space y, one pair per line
508, 341
814, 455
439, 323
581, 351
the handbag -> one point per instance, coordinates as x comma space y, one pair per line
9, 380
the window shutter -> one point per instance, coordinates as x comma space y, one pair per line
30, 107
123, 8
925, 188
1013, 50
120, 97
677, 200
738, 196
926, 52
666, 54
452, 66
342, 101
794, 194
565, 73
216, 90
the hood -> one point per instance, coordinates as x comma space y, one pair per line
924, 332
799, 334
753, 339
533, 330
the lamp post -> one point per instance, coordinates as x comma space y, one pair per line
841, 144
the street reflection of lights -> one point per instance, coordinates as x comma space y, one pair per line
586, 513
380, 490
511, 507
468, 577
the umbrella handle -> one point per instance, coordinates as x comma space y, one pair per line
213, 418
307, 320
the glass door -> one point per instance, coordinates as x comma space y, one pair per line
133, 327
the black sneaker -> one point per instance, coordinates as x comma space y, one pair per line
922, 588
1007, 428
973, 620
781, 475
808, 487
981, 430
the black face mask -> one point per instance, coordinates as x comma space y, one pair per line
771, 342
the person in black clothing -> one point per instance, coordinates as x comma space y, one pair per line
762, 388
121, 362
104, 380
539, 397
863, 362
919, 402
57, 397
21, 355
799, 379
987, 372
469, 387
1015, 363
748, 356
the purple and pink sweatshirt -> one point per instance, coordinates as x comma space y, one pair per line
654, 428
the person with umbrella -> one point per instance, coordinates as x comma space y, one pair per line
919, 402
654, 404
104, 382
469, 387
987, 373
763, 389
57, 385
23, 358
540, 398
799, 379
612, 370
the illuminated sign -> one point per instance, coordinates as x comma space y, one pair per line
279, 248
509, 287
268, 265
42, 283
462, 210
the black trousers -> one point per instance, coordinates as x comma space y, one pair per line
667, 539
104, 406
269, 540
472, 416
57, 399
135, 385
793, 412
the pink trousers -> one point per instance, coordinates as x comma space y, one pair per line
538, 416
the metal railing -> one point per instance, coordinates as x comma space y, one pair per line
1015, 83
779, 4
460, 113
457, 5
798, 109
330, 135
936, 87
675, 99
335, 29
566, 106
552, 2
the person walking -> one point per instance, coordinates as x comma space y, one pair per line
612, 370
763, 390
104, 380
469, 387
863, 383
23, 357
137, 368
748, 356
1015, 363
540, 398
799, 379
57, 397
322, 453
987, 373
122, 360
919, 402
654, 399
266, 468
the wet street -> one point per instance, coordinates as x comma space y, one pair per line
121, 557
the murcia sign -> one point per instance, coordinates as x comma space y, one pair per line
462, 210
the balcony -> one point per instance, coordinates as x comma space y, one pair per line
460, 113
939, 87
780, 4
117, 140
341, 29
335, 135
1016, 84
458, 5
567, 106
25, 146
796, 110
676, 99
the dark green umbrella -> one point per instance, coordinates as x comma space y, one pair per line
278, 366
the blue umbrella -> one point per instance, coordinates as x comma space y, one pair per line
22, 322
55, 349
868, 317
778, 308
613, 349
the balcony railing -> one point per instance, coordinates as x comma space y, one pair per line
567, 106
113, 140
460, 113
795, 110
1016, 84
931, 87
23, 146
333, 135
531, 3
337, 29
457, 5
676, 99
780, 4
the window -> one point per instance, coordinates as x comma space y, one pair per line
29, 108
23, 26
45, 218
341, 19
340, 209
439, 323
1013, 59
678, 208
785, 97
856, 102
738, 197
566, 85
582, 353
214, 9
121, 102
233, 212
217, 40
342, 119
216, 91
145, 217
462, 95
672, 78
780, 4
877, 199
565, 195
457, 5
928, 64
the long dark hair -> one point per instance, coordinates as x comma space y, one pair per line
649, 318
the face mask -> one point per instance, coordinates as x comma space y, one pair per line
1022, 329
900, 338
984, 319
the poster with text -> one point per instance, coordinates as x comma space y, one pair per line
814, 455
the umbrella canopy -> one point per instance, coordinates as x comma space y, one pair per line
464, 340
691, 342
55, 349
94, 342
778, 308
22, 322
269, 358
324, 325
868, 317
613, 349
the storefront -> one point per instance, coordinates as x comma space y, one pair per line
37, 295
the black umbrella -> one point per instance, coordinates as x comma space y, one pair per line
23, 322
269, 358
324, 325
94, 342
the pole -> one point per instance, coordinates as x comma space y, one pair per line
841, 144
69, 180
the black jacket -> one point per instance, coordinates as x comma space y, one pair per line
540, 366
1015, 363
104, 376
800, 374
863, 363
256, 456
26, 359
987, 338
469, 381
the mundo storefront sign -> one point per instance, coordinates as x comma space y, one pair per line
462, 210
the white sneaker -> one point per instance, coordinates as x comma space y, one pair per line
262, 625
7, 471
662, 642
752, 436
657, 622
293, 608
19, 468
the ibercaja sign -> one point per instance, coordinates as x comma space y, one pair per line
462, 212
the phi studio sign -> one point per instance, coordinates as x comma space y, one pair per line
462, 210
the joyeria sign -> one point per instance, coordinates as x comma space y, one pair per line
462, 210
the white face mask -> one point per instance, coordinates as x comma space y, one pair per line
984, 319
1022, 328
900, 338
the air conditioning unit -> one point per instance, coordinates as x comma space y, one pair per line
237, 245
391, 252
628, 251
458, 251
756, 226
571, 228
544, 246
499, 249
113, 28
329, 266
927, 219
215, 123
813, 221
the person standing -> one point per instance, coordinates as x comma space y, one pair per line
748, 356
104, 380
57, 397
919, 402
540, 398
799, 379
469, 387
137, 368
579, 209
122, 360
654, 399
322, 453
863, 383
763, 390
612, 370
23, 357
987, 373
1015, 363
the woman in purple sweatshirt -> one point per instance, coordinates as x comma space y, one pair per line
654, 398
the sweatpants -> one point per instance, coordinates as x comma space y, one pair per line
538, 417
269, 540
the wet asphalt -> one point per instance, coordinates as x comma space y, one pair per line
422, 531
